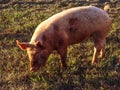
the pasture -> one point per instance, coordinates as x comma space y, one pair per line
19, 20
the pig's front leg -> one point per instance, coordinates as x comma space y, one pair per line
63, 55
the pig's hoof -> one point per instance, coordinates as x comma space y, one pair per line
93, 62
63, 66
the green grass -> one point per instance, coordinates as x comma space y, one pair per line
19, 22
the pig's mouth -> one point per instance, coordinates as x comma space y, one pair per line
37, 65
35, 69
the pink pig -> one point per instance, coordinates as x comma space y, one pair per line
68, 27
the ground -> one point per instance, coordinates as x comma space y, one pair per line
18, 21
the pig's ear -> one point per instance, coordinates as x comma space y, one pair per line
22, 45
39, 44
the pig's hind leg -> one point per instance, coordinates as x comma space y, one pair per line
99, 49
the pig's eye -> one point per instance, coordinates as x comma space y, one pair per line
41, 47
38, 44
35, 62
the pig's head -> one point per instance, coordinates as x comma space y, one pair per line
37, 54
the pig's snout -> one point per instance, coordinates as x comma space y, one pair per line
33, 68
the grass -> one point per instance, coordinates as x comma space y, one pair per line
19, 22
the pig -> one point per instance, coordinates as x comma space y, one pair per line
68, 27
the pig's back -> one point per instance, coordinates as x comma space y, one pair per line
76, 23
79, 12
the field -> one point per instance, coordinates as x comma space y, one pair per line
19, 20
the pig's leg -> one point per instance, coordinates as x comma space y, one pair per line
99, 47
102, 52
63, 55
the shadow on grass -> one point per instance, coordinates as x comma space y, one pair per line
110, 82
8, 39
11, 34
59, 79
